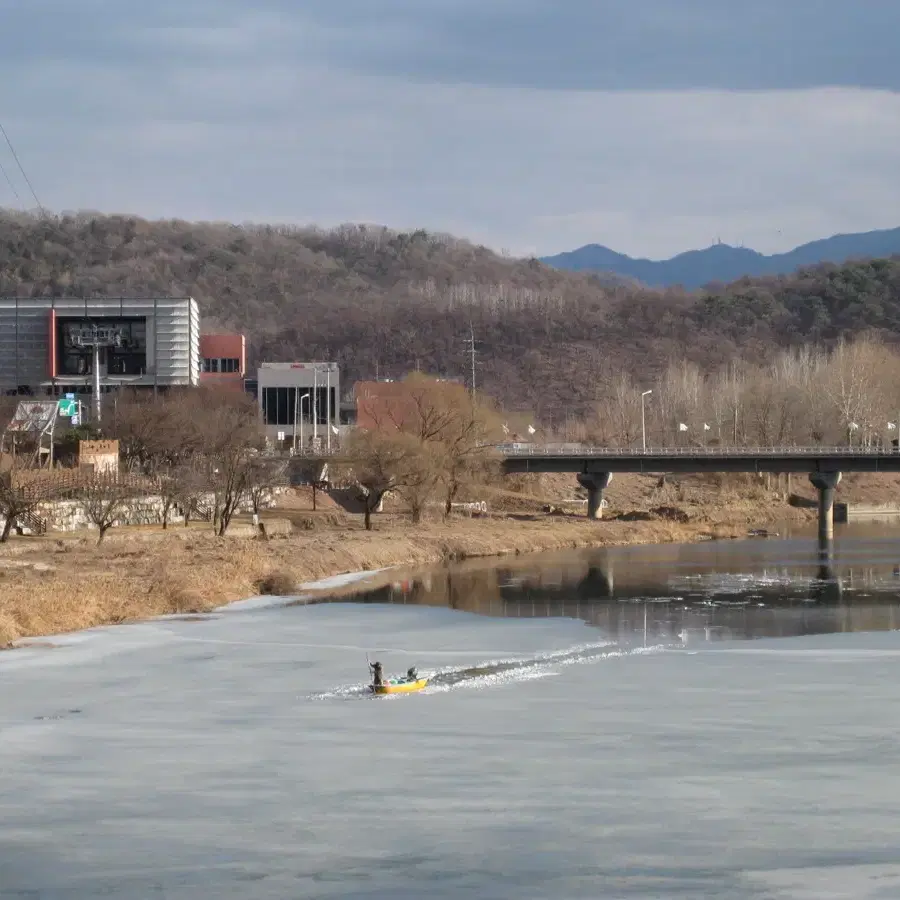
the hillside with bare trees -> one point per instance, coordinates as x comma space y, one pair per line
383, 303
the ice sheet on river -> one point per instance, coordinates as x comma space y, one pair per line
186, 759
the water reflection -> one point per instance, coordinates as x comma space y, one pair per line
683, 593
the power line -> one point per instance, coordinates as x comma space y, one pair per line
21, 169
9, 181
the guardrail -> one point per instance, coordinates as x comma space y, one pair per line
570, 450
304, 453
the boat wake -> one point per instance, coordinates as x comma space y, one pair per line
495, 673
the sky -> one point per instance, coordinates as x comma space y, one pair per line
532, 126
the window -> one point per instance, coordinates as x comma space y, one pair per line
278, 406
217, 365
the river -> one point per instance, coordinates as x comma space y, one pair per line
715, 590
713, 720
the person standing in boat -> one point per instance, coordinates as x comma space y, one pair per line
377, 673
412, 674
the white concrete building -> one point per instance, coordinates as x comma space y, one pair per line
300, 402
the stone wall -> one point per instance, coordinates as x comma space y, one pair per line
69, 515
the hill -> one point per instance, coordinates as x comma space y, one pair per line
383, 303
723, 263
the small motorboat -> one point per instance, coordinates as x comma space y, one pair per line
381, 685
399, 686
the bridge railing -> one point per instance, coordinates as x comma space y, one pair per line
573, 450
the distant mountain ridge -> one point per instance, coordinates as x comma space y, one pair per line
724, 263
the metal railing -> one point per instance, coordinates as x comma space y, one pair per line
571, 450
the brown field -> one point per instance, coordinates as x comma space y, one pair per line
60, 583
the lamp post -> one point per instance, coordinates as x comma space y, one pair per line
315, 407
298, 415
644, 421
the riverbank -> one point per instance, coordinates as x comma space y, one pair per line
58, 583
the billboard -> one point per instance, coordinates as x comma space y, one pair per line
123, 343
33, 416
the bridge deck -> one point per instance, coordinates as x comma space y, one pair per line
738, 459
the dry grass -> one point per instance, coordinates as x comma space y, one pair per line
59, 584
277, 584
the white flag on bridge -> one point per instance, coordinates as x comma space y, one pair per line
505, 429
854, 426
531, 429
705, 427
682, 426
892, 426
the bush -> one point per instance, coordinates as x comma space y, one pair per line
277, 584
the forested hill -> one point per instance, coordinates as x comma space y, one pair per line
383, 303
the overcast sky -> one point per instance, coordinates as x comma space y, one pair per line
651, 126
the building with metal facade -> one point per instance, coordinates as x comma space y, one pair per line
300, 402
46, 343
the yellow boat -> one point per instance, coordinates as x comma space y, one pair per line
399, 686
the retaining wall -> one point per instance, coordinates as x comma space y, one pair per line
69, 515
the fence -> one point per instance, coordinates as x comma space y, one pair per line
572, 450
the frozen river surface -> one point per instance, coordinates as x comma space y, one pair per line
236, 758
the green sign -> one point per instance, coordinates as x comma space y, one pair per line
68, 408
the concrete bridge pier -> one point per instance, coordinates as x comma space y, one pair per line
825, 483
595, 483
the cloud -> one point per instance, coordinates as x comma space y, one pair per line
207, 109
620, 44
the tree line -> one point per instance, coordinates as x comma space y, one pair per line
384, 303
844, 395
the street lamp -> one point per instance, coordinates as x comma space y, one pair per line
644, 421
298, 413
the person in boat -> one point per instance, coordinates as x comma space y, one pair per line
412, 674
377, 673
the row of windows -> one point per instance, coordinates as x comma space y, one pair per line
280, 404
221, 365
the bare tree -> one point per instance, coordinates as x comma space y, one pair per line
264, 475
177, 484
453, 430
104, 498
188, 484
381, 462
21, 492
230, 437
851, 383
426, 465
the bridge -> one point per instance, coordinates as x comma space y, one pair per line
594, 466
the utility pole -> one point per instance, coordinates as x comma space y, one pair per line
471, 342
